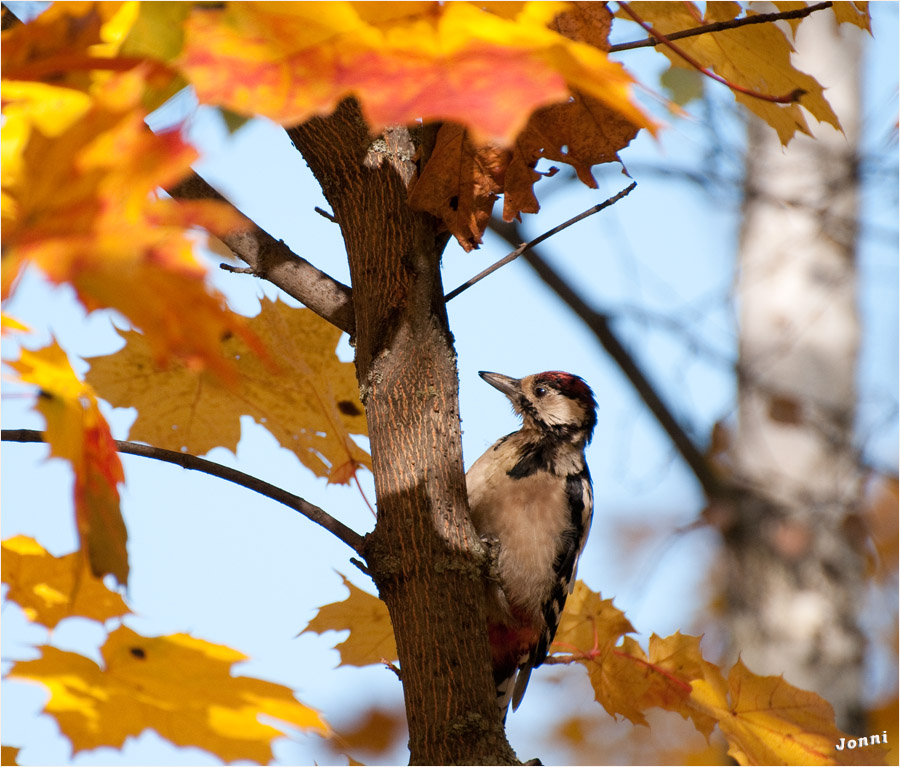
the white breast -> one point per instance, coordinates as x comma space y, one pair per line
527, 516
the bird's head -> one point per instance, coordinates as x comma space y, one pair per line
553, 402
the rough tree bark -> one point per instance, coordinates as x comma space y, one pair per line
795, 579
424, 555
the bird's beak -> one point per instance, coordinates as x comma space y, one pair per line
509, 386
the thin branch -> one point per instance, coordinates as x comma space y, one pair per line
353, 539
719, 26
788, 98
274, 261
526, 246
599, 324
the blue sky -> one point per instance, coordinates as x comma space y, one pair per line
231, 567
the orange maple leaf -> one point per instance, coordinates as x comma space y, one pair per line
662, 676
82, 205
486, 68
66, 42
590, 628
461, 181
78, 433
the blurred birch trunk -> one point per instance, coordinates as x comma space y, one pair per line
794, 578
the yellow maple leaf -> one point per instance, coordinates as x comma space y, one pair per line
855, 12
589, 629
9, 324
768, 721
590, 621
78, 433
662, 676
180, 686
764, 719
366, 617
885, 718
50, 589
76, 45
757, 57
403, 61
310, 403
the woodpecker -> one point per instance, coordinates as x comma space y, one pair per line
531, 501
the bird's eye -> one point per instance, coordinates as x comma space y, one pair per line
539, 391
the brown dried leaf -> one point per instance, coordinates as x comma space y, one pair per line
585, 23
581, 132
375, 732
460, 184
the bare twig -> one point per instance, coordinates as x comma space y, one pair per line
322, 518
526, 246
719, 26
360, 565
599, 324
325, 214
788, 98
274, 261
393, 667
238, 269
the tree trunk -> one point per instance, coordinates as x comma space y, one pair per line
424, 554
795, 579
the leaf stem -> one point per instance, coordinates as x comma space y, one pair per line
685, 686
322, 518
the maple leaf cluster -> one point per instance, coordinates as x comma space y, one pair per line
512, 85
188, 693
764, 719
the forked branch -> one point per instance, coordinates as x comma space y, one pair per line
272, 260
322, 518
